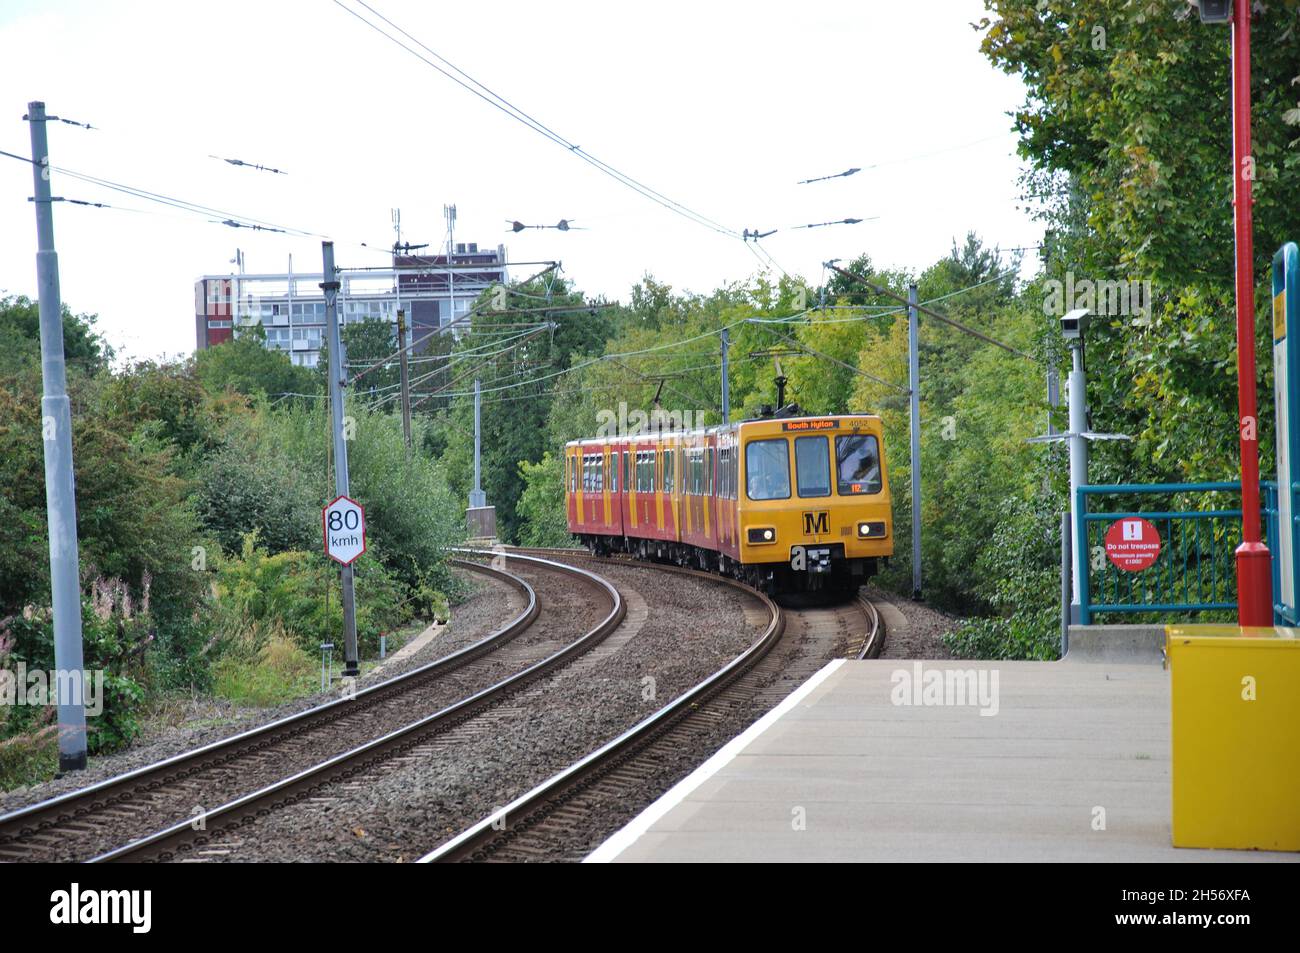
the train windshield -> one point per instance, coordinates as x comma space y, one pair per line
812, 464
767, 469
858, 458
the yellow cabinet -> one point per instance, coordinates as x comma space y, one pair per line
1235, 732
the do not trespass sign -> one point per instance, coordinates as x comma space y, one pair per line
344, 523
1132, 543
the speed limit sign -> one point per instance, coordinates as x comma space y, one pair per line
344, 523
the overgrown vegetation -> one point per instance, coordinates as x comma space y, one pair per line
199, 488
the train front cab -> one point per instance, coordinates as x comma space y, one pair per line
813, 505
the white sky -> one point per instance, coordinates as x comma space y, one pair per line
720, 106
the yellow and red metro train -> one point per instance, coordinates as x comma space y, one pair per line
786, 504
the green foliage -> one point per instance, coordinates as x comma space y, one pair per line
84, 348
541, 505
367, 343
1020, 564
27, 759
411, 515
176, 462
117, 630
296, 595
245, 366
250, 485
514, 415
279, 672
133, 515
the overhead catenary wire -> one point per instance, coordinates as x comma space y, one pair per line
504, 105
159, 198
885, 292
835, 360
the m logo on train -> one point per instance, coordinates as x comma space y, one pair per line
785, 502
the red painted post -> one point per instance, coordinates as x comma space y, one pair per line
1254, 573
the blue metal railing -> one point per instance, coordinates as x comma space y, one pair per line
1195, 570
1284, 612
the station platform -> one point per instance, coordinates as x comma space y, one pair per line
1071, 764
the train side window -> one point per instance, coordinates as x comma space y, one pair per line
767, 469
669, 458
812, 464
857, 459
708, 471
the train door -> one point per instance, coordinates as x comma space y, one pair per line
572, 510
672, 481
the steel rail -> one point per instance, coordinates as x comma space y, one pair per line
183, 837
499, 828
81, 805
503, 826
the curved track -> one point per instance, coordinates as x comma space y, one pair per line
69, 826
187, 839
544, 823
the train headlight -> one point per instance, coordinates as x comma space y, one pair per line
761, 534
870, 530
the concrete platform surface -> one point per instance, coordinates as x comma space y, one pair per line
888, 760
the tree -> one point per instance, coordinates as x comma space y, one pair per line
516, 353
367, 343
246, 366
84, 348
1127, 122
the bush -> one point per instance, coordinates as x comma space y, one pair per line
116, 632
296, 596
1022, 566
541, 506
279, 672
28, 759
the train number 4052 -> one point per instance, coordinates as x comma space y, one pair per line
815, 522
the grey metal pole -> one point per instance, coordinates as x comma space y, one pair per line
726, 383
60, 486
914, 384
1067, 552
406, 379
1053, 397
477, 497
1078, 397
330, 285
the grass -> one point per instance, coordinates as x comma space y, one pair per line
29, 759
281, 672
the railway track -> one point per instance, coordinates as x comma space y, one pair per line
187, 840
79, 824
547, 822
